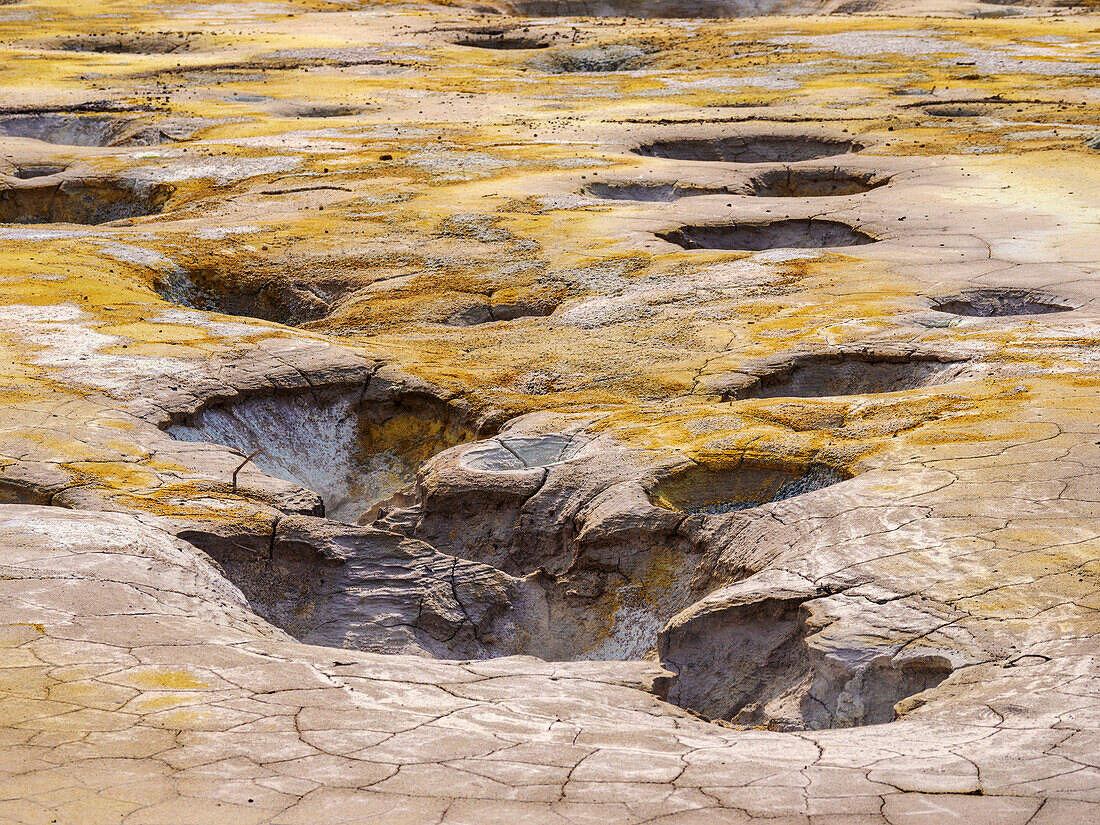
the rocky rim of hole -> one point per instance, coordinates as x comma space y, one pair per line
998, 302
842, 372
122, 43
649, 192
78, 128
667, 9
30, 171
802, 182
94, 200
594, 59
486, 558
251, 291
702, 490
784, 182
761, 148
756, 236
506, 38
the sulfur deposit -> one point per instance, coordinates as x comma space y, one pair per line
549, 411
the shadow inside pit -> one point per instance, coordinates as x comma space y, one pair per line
857, 373
755, 236
37, 170
749, 662
123, 43
670, 9
995, 303
750, 149
249, 293
649, 192
356, 454
814, 183
593, 59
504, 39
709, 491
83, 201
339, 585
78, 129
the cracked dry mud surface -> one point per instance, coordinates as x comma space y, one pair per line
428, 414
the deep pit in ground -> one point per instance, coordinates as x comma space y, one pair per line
972, 109
649, 192
848, 373
749, 148
362, 456
670, 9
331, 582
505, 39
81, 201
251, 289
356, 454
792, 182
708, 491
123, 43
745, 652
78, 129
754, 236
749, 659
29, 171
995, 303
613, 58
787, 182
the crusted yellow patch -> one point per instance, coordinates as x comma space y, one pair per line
163, 678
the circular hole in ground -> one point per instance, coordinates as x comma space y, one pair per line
37, 170
591, 59
811, 183
123, 43
795, 233
503, 39
356, 454
958, 110
670, 9
324, 111
648, 192
252, 289
750, 149
814, 376
994, 303
714, 491
485, 312
745, 657
83, 201
77, 129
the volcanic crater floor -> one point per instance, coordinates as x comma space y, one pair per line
447, 414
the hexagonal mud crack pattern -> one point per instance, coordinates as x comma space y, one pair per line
368, 454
